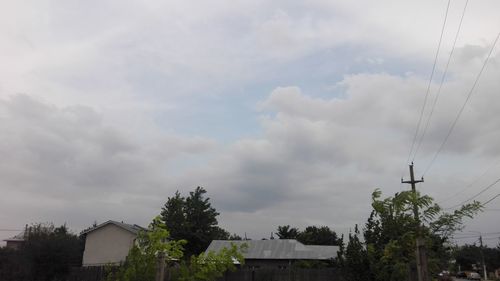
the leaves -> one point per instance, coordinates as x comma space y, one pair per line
192, 219
210, 266
390, 232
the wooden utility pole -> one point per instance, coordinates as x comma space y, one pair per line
420, 253
482, 257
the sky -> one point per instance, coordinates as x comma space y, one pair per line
286, 112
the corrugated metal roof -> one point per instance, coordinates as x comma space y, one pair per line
134, 228
278, 249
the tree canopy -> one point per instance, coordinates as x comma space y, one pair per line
192, 219
391, 229
311, 235
47, 253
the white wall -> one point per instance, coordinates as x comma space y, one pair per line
108, 244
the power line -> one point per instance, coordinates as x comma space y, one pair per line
491, 238
476, 195
474, 85
442, 82
9, 229
472, 183
430, 82
491, 199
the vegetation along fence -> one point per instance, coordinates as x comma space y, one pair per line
326, 274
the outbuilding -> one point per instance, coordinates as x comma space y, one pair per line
109, 243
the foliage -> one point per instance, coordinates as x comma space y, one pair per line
391, 231
355, 263
47, 254
234, 237
287, 232
468, 255
210, 266
142, 259
192, 219
314, 235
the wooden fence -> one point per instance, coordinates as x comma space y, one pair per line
326, 274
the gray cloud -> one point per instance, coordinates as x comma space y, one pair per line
109, 83
65, 160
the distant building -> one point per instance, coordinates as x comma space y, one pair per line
277, 253
15, 242
109, 243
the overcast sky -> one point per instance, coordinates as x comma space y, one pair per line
287, 112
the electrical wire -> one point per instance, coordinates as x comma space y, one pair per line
454, 123
476, 195
430, 82
494, 197
472, 183
443, 77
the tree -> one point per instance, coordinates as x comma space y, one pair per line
174, 217
322, 235
192, 219
390, 233
287, 232
210, 266
143, 257
468, 255
140, 264
355, 263
48, 253
234, 236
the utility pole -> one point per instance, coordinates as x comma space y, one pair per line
420, 252
482, 257
485, 273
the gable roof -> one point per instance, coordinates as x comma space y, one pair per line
133, 228
278, 249
18, 237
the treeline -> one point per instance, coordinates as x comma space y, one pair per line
47, 254
383, 249
470, 256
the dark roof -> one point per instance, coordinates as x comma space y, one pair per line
278, 249
134, 228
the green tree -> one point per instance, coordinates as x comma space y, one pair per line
142, 258
468, 255
287, 232
322, 235
194, 220
390, 233
211, 266
355, 263
48, 253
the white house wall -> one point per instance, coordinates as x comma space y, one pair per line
108, 244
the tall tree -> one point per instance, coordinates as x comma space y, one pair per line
174, 217
314, 235
287, 232
355, 264
390, 233
192, 219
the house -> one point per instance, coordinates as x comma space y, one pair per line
277, 253
15, 242
109, 243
